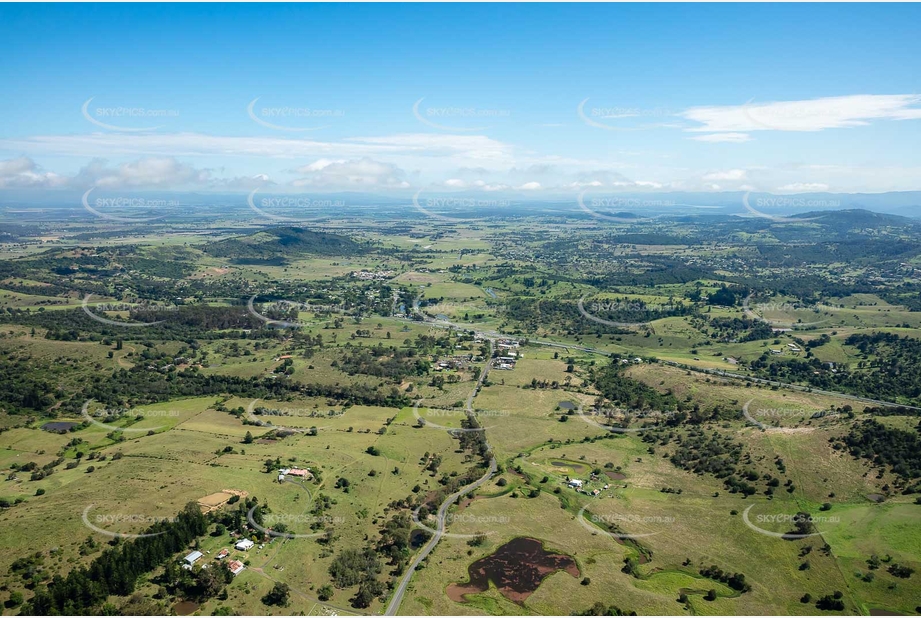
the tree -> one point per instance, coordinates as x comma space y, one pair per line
15, 599
248, 439
325, 592
278, 595
711, 595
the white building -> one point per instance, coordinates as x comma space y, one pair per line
192, 558
244, 544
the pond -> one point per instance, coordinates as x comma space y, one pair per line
517, 569
567, 405
418, 538
59, 426
575, 466
185, 608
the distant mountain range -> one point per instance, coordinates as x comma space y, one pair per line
622, 205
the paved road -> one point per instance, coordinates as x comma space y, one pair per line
716, 372
397, 598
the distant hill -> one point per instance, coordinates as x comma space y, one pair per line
858, 217
272, 246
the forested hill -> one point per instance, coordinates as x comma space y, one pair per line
281, 242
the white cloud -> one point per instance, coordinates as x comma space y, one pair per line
364, 173
726, 175
162, 172
806, 115
147, 172
804, 187
530, 186
23, 172
462, 147
735, 138
319, 164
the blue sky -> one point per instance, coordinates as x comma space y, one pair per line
545, 99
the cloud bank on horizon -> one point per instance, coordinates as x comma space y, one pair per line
439, 131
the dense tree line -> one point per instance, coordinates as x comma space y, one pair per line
884, 446
382, 362
615, 386
893, 373
117, 570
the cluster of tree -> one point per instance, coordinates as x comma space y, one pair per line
382, 362
615, 386
600, 609
894, 373
715, 454
276, 243
740, 329
532, 314
736, 581
884, 446
358, 567
27, 384
139, 386
117, 570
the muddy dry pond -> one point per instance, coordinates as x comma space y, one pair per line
185, 608
517, 569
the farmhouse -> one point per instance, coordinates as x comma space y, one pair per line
192, 558
303, 473
244, 544
236, 567
575, 483
222, 554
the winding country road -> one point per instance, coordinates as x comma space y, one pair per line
397, 598
717, 372
400, 591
